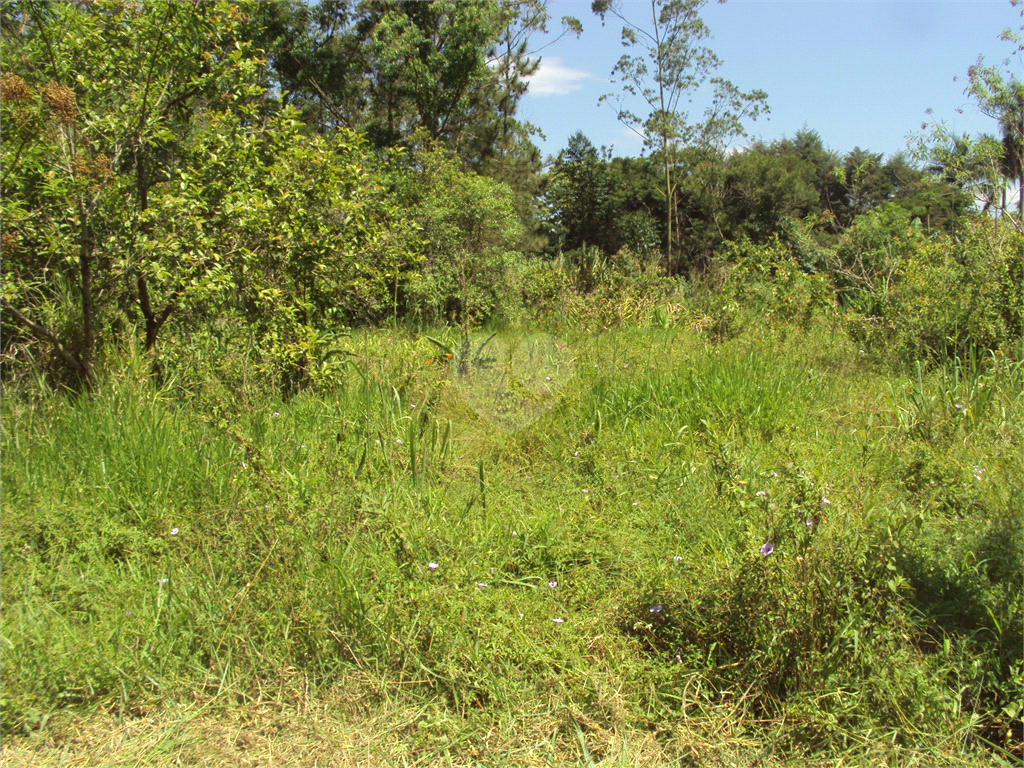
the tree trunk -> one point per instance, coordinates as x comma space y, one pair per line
85, 273
154, 322
670, 266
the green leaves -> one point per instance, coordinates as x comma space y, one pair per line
151, 179
671, 65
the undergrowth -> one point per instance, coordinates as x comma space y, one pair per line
765, 549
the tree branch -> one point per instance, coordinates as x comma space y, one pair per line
63, 351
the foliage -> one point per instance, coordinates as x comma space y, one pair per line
672, 66
470, 229
124, 202
767, 515
246, 545
578, 192
986, 165
295, 237
101, 96
919, 298
755, 284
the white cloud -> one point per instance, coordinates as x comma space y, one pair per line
633, 135
554, 79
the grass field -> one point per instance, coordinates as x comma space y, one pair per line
771, 550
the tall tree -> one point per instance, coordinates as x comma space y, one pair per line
672, 64
498, 144
1000, 95
317, 57
579, 193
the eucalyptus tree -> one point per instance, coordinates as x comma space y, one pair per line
670, 66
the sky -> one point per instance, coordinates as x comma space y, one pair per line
862, 73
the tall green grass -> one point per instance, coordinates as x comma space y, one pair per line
599, 578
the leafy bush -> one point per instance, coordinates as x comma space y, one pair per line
469, 228
920, 298
275, 240
764, 283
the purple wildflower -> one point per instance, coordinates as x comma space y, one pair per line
678, 558
277, 415
433, 566
767, 548
761, 493
552, 584
174, 531
655, 609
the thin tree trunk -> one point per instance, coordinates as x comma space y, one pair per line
154, 322
85, 272
668, 215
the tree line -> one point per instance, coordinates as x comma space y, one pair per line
196, 175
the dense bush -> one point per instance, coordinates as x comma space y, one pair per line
751, 285
925, 297
469, 229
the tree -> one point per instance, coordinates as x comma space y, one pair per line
985, 165
673, 65
497, 143
497, 136
470, 230
1000, 95
455, 70
101, 96
318, 59
161, 183
578, 191
761, 190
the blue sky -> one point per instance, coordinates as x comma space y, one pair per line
860, 73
